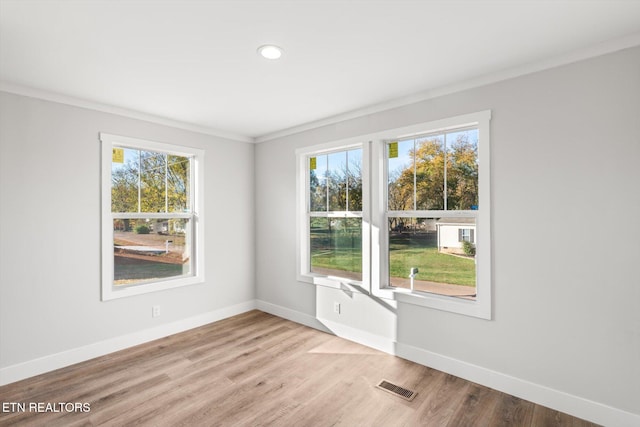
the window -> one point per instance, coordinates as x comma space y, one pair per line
151, 216
465, 235
405, 216
435, 209
333, 244
432, 179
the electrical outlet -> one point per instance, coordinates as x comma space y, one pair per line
155, 311
336, 307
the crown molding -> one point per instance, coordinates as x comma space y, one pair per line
105, 108
593, 51
603, 48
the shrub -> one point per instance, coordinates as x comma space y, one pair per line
468, 248
143, 229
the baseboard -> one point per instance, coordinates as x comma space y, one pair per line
69, 357
361, 337
338, 329
539, 394
558, 400
289, 314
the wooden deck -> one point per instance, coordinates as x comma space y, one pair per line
257, 369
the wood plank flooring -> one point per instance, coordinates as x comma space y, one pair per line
256, 369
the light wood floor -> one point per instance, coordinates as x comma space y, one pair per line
257, 369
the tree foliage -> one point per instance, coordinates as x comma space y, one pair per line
331, 189
423, 181
150, 182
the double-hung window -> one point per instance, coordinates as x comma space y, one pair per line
152, 230
432, 200
435, 216
333, 241
406, 215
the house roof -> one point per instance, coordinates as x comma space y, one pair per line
456, 221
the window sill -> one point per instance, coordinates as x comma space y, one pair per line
126, 291
479, 308
333, 282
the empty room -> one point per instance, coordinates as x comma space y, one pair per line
319, 213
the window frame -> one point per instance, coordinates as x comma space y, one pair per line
374, 217
303, 259
481, 307
196, 216
466, 237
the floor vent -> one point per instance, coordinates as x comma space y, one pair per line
397, 390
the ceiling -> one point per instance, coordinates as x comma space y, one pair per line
195, 62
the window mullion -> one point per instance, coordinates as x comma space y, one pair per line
445, 160
346, 171
415, 178
139, 180
151, 215
166, 183
326, 180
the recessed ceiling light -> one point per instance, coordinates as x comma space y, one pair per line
270, 51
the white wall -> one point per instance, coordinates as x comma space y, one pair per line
50, 231
565, 161
565, 156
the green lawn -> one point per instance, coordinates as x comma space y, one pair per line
337, 259
129, 271
420, 250
341, 250
338, 247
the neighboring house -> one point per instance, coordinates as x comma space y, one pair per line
162, 226
452, 232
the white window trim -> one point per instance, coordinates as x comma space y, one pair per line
481, 307
303, 261
108, 291
374, 213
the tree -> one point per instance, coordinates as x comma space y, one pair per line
353, 175
317, 192
150, 182
124, 188
462, 174
335, 186
425, 184
430, 161
400, 193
